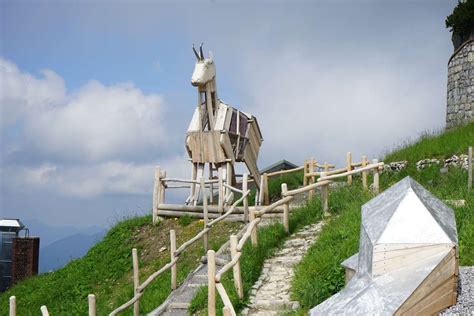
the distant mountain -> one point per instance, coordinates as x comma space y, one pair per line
61, 244
51, 233
60, 252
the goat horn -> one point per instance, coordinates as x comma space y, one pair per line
195, 53
200, 50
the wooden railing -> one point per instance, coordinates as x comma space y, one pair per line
176, 252
212, 214
44, 310
236, 246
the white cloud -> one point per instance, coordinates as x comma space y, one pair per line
22, 94
100, 122
322, 109
96, 140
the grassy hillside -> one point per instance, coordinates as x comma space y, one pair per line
106, 270
320, 275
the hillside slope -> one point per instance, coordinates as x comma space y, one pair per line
106, 269
320, 275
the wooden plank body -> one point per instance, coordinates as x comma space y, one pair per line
437, 292
389, 257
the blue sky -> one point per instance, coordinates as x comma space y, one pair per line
94, 93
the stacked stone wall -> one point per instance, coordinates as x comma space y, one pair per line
460, 103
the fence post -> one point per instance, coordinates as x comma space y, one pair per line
12, 306
163, 188
156, 194
286, 209
92, 305
44, 310
312, 164
136, 281
376, 177
226, 311
253, 235
237, 277
221, 193
172, 251
205, 213
266, 194
349, 167
324, 196
305, 172
245, 181
211, 283
469, 180
326, 166
261, 192
364, 173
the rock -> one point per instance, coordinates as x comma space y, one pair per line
456, 203
395, 166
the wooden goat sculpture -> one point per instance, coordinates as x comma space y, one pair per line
219, 135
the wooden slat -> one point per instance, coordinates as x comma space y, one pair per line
442, 273
399, 260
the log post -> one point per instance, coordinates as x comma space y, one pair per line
324, 196
12, 306
266, 194
364, 173
261, 191
211, 185
211, 283
192, 193
92, 304
245, 181
226, 311
228, 179
376, 177
236, 269
286, 209
349, 167
312, 163
156, 194
172, 252
469, 161
326, 166
44, 310
136, 281
253, 235
163, 188
305, 172
205, 212
221, 193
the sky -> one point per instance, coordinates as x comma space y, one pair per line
95, 94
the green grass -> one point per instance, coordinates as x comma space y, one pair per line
106, 270
454, 141
270, 238
320, 275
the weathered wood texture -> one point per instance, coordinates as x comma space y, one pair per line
437, 292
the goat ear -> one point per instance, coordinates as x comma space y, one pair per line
211, 56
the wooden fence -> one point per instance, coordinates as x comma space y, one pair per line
212, 214
325, 179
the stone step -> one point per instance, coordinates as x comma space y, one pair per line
179, 305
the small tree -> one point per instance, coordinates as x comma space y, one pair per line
461, 21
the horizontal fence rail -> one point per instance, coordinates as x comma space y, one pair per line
252, 215
326, 177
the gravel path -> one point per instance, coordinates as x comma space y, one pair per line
270, 295
465, 304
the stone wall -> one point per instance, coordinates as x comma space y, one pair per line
460, 107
